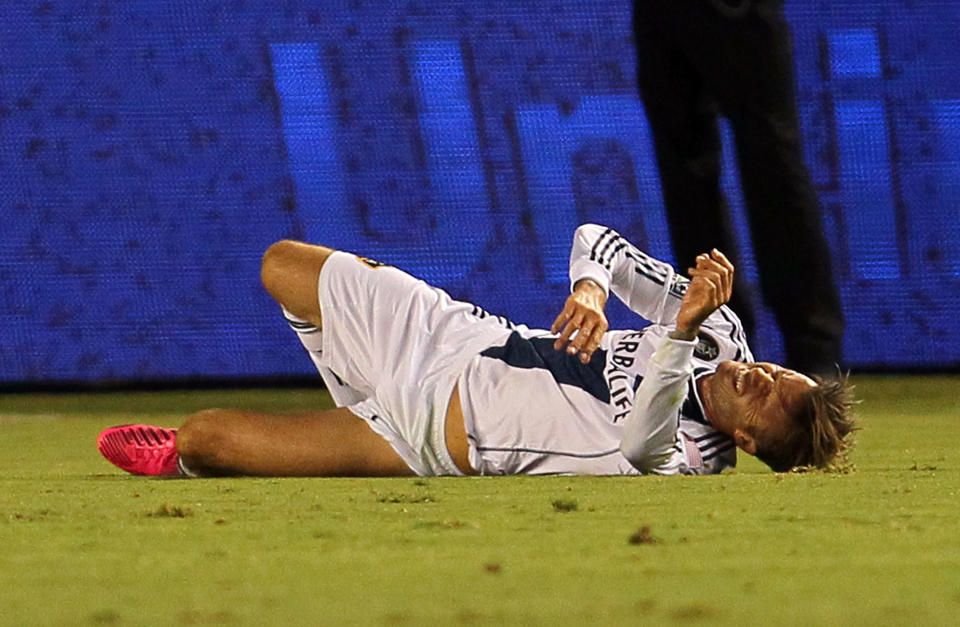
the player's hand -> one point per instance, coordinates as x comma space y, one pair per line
711, 284
582, 323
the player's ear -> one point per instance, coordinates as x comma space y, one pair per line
745, 441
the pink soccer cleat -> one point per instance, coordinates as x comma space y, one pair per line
140, 449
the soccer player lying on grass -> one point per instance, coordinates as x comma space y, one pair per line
428, 385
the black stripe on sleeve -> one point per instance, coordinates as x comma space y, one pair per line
602, 255
640, 270
609, 262
704, 441
718, 451
736, 334
596, 244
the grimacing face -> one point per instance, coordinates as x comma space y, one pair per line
757, 398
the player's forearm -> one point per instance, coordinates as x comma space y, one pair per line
585, 261
647, 286
650, 431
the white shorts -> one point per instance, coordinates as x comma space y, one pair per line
392, 349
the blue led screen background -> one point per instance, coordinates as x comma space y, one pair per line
150, 151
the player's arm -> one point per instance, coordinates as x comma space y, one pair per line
601, 261
648, 286
650, 430
597, 261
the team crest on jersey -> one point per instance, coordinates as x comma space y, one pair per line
373, 263
707, 348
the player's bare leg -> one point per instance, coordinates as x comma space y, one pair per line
225, 442
233, 442
290, 272
217, 442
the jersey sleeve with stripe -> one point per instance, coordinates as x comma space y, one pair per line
652, 439
648, 286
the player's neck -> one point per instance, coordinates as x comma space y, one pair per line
709, 400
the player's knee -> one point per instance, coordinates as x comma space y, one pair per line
290, 271
203, 436
275, 265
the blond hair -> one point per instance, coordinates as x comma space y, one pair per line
819, 434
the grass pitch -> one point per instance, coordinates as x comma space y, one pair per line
84, 544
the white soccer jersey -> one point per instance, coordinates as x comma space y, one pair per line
634, 408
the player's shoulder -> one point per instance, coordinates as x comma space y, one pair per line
722, 339
706, 450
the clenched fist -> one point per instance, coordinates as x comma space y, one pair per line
711, 284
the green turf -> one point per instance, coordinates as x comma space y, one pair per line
84, 544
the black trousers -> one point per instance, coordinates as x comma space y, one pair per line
696, 60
